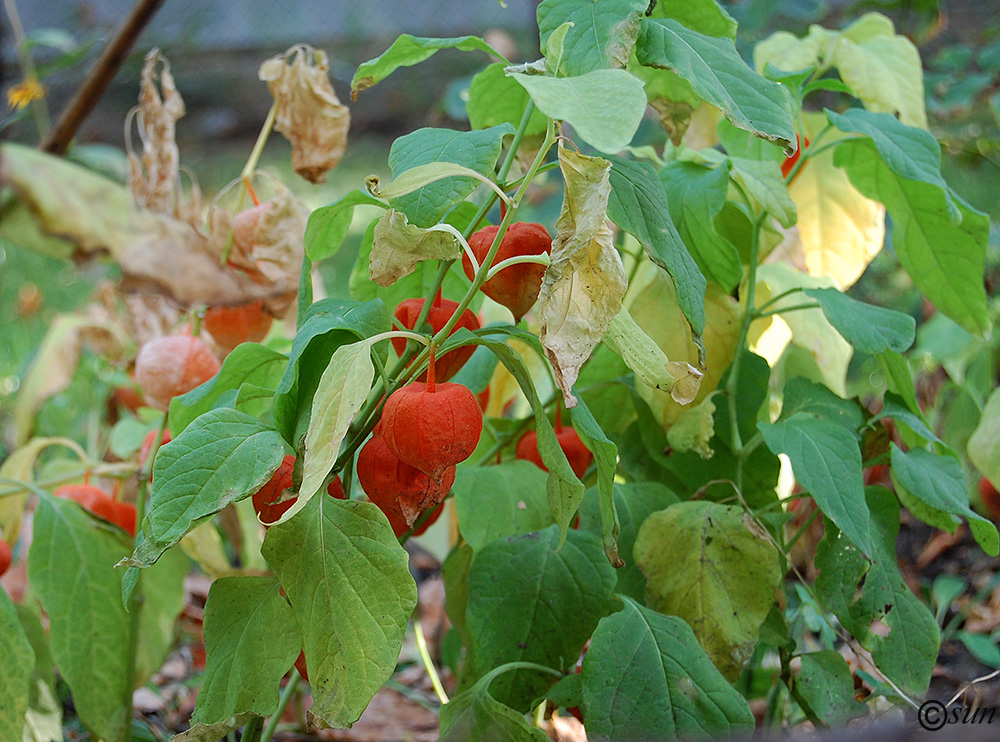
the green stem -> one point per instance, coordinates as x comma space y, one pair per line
778, 298
782, 310
305, 298
805, 527
251, 732
425, 655
286, 696
542, 259
515, 143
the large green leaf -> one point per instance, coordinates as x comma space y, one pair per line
944, 254
938, 483
824, 682
477, 150
604, 107
248, 363
407, 51
645, 677
495, 99
601, 35
328, 225
868, 328
250, 642
71, 567
638, 204
330, 323
220, 458
695, 196
531, 601
827, 462
476, 716
347, 579
865, 594
494, 502
719, 75
17, 659
708, 565
634, 502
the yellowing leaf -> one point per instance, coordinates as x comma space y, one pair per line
693, 430
788, 52
308, 113
984, 444
398, 246
204, 545
656, 311
585, 283
839, 230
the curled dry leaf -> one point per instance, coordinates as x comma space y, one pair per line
397, 247
308, 113
585, 283
154, 179
694, 428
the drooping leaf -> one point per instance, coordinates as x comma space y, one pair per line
397, 247
827, 462
694, 429
869, 328
825, 683
938, 482
863, 593
407, 51
707, 564
495, 99
719, 75
606, 456
584, 284
600, 37
251, 641
634, 502
529, 600
582, 103
18, 660
248, 363
346, 577
220, 458
162, 604
327, 226
645, 676
71, 567
476, 715
477, 150
984, 443
494, 502
638, 204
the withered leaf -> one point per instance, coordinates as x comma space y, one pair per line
308, 112
398, 246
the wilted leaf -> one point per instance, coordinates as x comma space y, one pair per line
584, 284
398, 246
693, 430
308, 113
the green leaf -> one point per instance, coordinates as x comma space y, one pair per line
713, 568
476, 716
764, 183
330, 323
530, 600
496, 99
17, 659
494, 502
601, 35
944, 256
719, 75
211, 732
163, 601
250, 642
248, 363
695, 196
220, 458
899, 380
868, 328
646, 677
863, 592
347, 579
455, 571
477, 150
825, 683
703, 16
328, 225
71, 567
606, 455
827, 462
984, 443
634, 502
802, 395
44, 715
938, 482
585, 103
407, 51
638, 204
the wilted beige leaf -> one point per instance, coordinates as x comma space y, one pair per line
585, 283
839, 230
398, 246
694, 428
308, 113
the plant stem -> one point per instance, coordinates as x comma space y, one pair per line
425, 655
783, 310
286, 696
542, 259
778, 298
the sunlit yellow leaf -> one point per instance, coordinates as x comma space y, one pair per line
398, 246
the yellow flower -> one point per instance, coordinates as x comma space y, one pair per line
24, 93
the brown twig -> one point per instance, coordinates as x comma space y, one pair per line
59, 137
